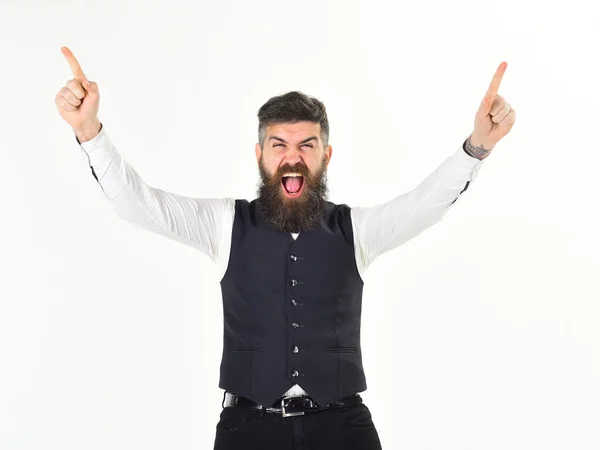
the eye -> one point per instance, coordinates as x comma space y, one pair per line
278, 145
307, 145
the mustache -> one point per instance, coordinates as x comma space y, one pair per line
297, 168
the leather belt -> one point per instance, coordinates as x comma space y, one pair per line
288, 406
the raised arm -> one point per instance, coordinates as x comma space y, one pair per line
198, 222
380, 228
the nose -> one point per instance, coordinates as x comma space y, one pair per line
293, 156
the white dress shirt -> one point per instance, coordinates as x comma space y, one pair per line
207, 223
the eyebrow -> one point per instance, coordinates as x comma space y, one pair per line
303, 142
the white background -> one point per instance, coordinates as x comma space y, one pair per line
482, 333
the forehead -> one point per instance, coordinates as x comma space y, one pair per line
294, 132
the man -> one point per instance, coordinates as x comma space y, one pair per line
291, 263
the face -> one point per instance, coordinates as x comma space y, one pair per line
292, 165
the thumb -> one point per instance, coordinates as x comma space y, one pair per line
90, 86
484, 108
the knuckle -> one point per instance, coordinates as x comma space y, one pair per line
499, 103
73, 83
64, 104
75, 87
72, 98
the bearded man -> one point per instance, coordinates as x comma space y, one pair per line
292, 263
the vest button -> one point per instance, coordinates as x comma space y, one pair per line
295, 325
294, 282
295, 373
294, 302
295, 349
293, 257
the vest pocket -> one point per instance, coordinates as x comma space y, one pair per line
341, 350
247, 350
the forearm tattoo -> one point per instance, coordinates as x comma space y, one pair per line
475, 152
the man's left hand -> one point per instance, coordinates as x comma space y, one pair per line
494, 119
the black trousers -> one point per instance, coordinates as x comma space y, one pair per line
349, 428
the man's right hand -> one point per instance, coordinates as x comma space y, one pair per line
78, 101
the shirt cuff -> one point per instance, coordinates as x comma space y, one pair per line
467, 164
93, 141
463, 157
99, 149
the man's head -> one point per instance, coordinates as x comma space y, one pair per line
292, 153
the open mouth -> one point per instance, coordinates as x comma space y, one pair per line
292, 184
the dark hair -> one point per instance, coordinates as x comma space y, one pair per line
292, 107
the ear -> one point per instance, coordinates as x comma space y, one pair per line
328, 153
258, 151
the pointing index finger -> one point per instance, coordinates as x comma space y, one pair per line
495, 84
74, 64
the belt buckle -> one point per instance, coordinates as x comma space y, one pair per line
286, 414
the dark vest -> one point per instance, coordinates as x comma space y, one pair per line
292, 309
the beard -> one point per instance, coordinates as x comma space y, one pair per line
292, 215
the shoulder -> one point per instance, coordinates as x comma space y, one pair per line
338, 215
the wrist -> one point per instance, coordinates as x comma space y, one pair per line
88, 131
476, 148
